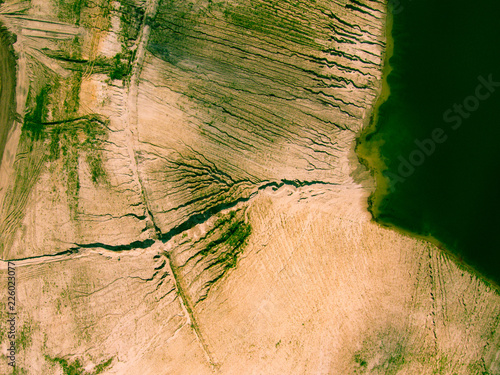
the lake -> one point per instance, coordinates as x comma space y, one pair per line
437, 136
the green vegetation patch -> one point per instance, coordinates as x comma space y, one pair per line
385, 352
118, 67
131, 18
34, 120
180, 25
271, 18
70, 368
171, 28
70, 10
76, 367
359, 360
53, 120
24, 337
73, 138
19, 371
121, 66
91, 14
103, 366
230, 243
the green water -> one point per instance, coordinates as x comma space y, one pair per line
441, 51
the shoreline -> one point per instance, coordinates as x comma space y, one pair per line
369, 156
461, 263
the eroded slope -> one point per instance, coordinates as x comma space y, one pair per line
184, 199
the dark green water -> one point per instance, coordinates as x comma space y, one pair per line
441, 49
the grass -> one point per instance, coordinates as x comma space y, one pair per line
19, 371
131, 17
102, 366
72, 100
67, 135
97, 171
70, 10
72, 180
175, 28
24, 337
231, 241
174, 22
94, 135
76, 367
69, 140
358, 359
266, 18
34, 120
118, 67
121, 66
